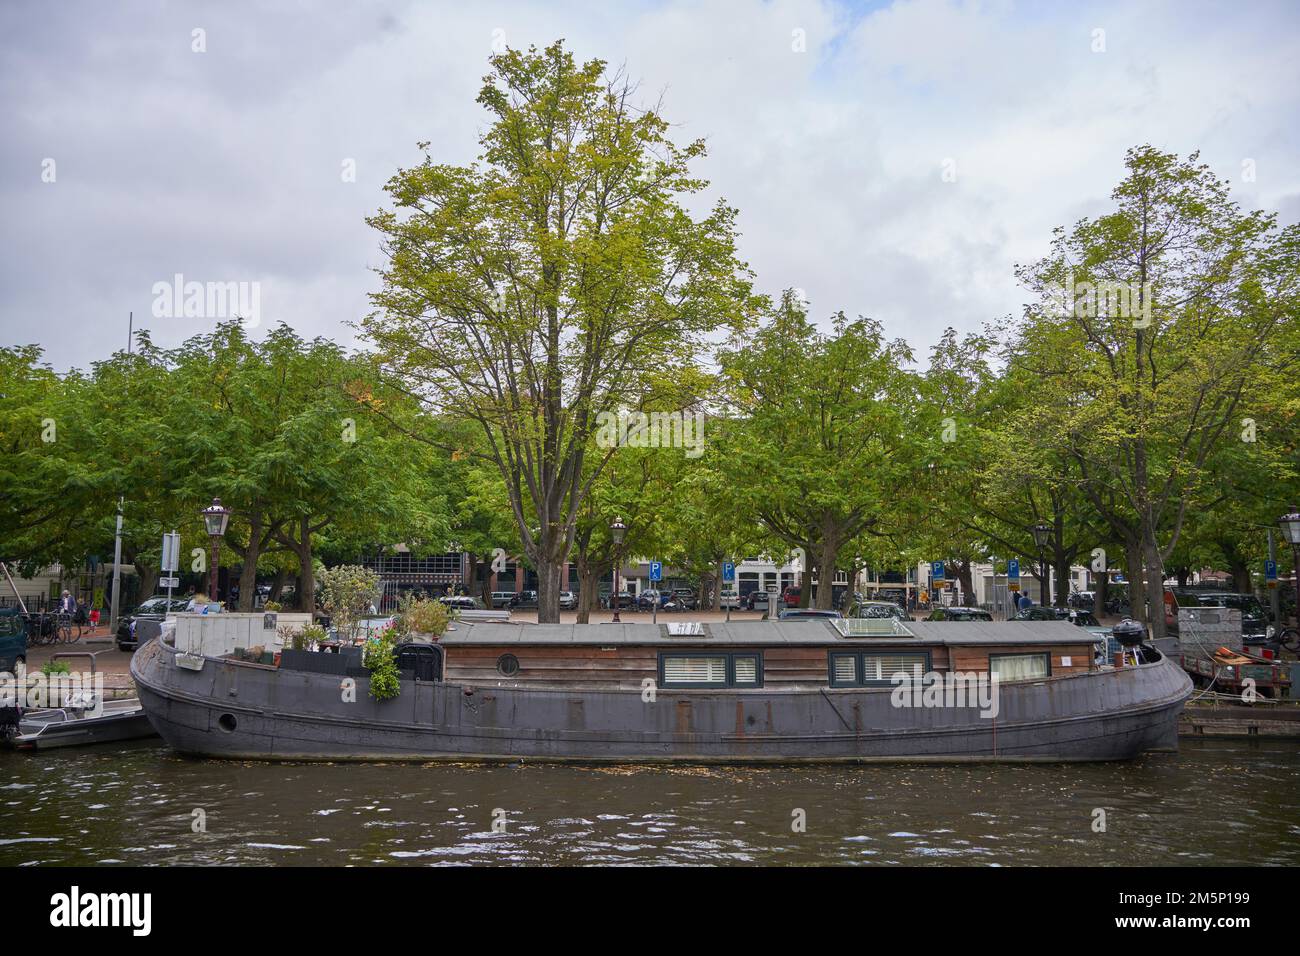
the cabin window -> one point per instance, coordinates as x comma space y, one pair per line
1020, 666
874, 669
507, 665
745, 670
710, 670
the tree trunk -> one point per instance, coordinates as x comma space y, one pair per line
248, 570
549, 572
277, 584
1155, 580
1240, 576
588, 590
827, 555
485, 584
1136, 593
306, 573
964, 575
148, 576
1101, 593
1062, 570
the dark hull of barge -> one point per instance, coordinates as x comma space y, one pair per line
238, 710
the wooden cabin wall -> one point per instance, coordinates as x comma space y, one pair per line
628, 666
968, 659
564, 664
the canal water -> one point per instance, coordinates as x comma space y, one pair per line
1212, 803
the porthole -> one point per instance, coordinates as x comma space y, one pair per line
507, 665
227, 722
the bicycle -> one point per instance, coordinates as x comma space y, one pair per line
1290, 639
67, 624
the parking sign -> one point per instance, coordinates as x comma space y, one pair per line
728, 571
656, 570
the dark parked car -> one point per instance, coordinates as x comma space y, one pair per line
1254, 619
685, 599
523, 599
878, 609
960, 614
1040, 613
154, 609
625, 601
757, 600
461, 602
13, 639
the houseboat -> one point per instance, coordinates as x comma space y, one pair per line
769, 691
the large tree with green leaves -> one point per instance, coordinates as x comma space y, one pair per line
831, 439
1151, 323
533, 290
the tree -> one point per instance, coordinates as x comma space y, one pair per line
1150, 323
533, 290
832, 438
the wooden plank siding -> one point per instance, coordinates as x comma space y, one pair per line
967, 659
783, 666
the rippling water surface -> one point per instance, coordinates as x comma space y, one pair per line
1223, 803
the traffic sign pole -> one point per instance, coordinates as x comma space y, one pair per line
656, 575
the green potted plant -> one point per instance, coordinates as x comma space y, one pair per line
423, 619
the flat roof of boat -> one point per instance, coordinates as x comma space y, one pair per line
768, 633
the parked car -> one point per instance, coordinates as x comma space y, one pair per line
960, 614
685, 599
154, 609
568, 600
758, 600
808, 614
730, 598
1081, 599
791, 596
523, 599
13, 639
624, 599
1255, 628
461, 602
878, 609
502, 598
1040, 613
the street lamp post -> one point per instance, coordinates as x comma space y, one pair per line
1042, 534
215, 518
1290, 525
616, 531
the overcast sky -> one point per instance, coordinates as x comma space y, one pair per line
830, 126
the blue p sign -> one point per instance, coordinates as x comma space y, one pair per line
728, 571
936, 570
656, 570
